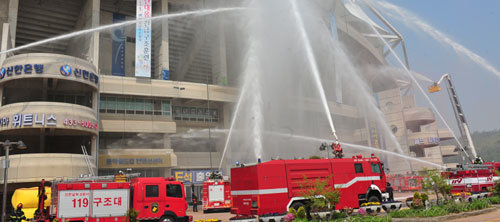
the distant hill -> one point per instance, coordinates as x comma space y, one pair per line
487, 146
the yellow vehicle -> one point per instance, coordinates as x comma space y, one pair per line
29, 198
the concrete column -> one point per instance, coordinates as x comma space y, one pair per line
221, 65
12, 19
93, 148
4, 41
95, 98
4, 13
163, 58
1, 93
218, 48
94, 43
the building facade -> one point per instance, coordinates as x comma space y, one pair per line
82, 93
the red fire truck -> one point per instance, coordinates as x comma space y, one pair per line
103, 199
216, 195
405, 182
270, 188
477, 179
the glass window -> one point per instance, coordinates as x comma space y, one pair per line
375, 168
177, 113
102, 104
174, 190
165, 105
166, 108
121, 104
413, 182
358, 168
152, 191
148, 105
201, 114
69, 99
80, 100
157, 107
192, 113
111, 104
214, 115
139, 106
130, 105
185, 113
59, 98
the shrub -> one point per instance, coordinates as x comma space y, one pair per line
496, 192
292, 211
301, 213
315, 157
401, 213
364, 218
338, 215
479, 204
448, 208
494, 200
132, 215
424, 197
417, 203
453, 207
416, 195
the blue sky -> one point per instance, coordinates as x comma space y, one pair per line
475, 25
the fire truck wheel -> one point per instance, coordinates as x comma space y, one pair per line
373, 199
297, 205
167, 219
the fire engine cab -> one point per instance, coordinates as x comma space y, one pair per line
270, 188
103, 199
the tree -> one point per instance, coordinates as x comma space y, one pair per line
436, 182
320, 194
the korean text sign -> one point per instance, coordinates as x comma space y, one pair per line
95, 203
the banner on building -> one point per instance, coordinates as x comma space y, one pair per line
133, 161
118, 48
192, 176
165, 74
143, 39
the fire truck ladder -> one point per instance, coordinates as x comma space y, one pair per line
459, 114
87, 160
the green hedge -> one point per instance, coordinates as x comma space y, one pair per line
356, 219
446, 209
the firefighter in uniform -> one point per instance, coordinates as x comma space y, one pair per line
195, 203
337, 150
18, 215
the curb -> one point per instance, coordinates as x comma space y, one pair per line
447, 217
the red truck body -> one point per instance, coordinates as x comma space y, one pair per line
473, 178
216, 195
154, 198
405, 182
274, 186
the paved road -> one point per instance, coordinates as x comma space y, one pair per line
492, 216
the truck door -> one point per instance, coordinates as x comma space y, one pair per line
175, 201
151, 206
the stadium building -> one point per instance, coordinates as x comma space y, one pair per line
82, 94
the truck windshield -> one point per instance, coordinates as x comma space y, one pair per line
174, 190
375, 168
